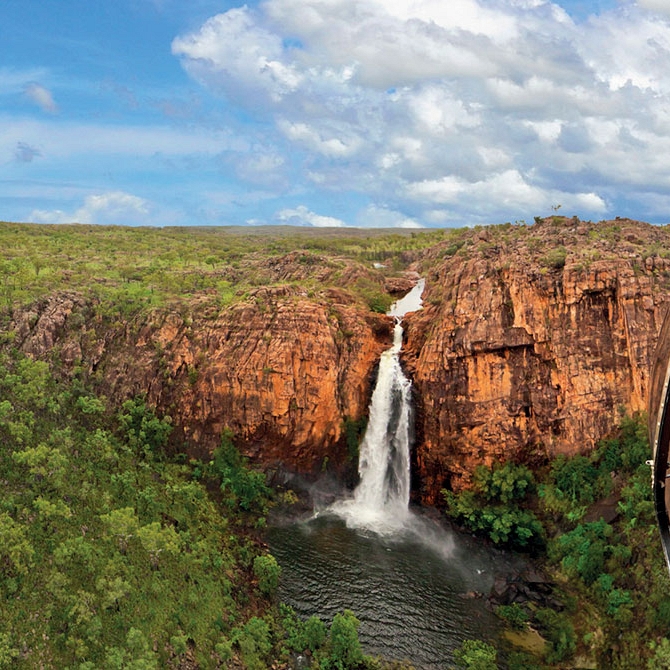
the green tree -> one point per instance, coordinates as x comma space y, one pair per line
504, 482
254, 642
560, 634
345, 647
16, 551
300, 635
515, 615
314, 633
143, 430
157, 539
575, 478
660, 659
492, 507
242, 486
8, 652
584, 550
46, 464
476, 655
135, 655
267, 572
122, 524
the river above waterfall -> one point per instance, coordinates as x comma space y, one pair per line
418, 593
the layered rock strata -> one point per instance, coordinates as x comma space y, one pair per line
515, 359
282, 371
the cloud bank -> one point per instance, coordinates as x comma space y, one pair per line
446, 113
113, 208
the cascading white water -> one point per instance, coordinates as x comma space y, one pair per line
380, 502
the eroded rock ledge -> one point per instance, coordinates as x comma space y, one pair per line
519, 357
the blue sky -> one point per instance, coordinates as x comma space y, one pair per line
332, 112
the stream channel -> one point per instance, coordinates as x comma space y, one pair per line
418, 588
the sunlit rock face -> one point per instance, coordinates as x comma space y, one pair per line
518, 359
281, 371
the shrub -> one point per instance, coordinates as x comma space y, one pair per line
575, 478
301, 635
555, 258
267, 571
8, 653
476, 655
504, 482
662, 613
583, 551
314, 633
514, 615
661, 655
377, 300
345, 647
254, 642
224, 649
491, 508
241, 486
143, 430
560, 634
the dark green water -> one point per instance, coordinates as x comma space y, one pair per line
412, 591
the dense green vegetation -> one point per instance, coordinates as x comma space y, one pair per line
152, 266
614, 570
494, 507
112, 556
134, 268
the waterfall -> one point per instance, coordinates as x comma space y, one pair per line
380, 501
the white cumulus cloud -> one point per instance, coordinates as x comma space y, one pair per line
113, 208
452, 111
302, 216
375, 216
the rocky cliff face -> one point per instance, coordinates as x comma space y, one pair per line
530, 341
520, 355
282, 371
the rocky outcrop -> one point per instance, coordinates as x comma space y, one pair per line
42, 329
519, 357
281, 371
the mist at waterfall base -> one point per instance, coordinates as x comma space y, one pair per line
414, 585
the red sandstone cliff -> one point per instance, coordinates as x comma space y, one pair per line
531, 339
281, 370
520, 355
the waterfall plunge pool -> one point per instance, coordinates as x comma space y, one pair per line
418, 592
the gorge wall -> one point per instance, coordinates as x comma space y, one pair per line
530, 341
521, 358
282, 371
